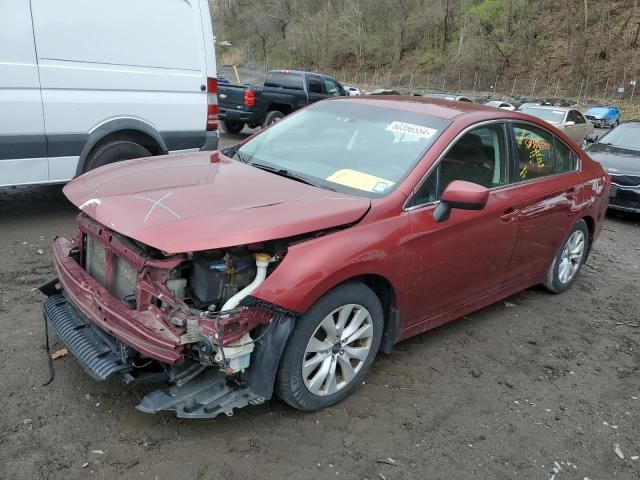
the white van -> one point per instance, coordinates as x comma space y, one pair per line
85, 83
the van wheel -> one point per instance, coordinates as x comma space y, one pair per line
232, 127
331, 348
272, 117
115, 151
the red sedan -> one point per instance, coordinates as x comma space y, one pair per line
287, 262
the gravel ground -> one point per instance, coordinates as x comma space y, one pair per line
536, 383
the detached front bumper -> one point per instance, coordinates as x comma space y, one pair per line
98, 353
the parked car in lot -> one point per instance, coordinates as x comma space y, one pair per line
283, 92
619, 154
499, 104
352, 91
383, 91
289, 260
454, 97
569, 120
84, 84
603, 117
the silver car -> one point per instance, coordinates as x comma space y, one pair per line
569, 120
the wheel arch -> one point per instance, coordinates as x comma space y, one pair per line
386, 293
280, 107
122, 129
591, 225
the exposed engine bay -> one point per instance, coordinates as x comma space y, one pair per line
185, 319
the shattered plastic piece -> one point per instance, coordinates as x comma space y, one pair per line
618, 451
63, 352
387, 461
85, 464
97, 452
40, 251
509, 304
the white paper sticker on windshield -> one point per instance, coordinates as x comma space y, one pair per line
411, 129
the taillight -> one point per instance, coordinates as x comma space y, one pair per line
249, 98
212, 103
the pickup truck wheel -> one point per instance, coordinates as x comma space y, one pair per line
232, 127
272, 117
569, 259
331, 348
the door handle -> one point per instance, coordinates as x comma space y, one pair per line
572, 193
509, 215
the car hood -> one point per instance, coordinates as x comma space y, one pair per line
615, 159
204, 201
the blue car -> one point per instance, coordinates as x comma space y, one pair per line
603, 117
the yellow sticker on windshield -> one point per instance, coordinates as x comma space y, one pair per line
360, 180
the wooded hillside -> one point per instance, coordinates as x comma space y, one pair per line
552, 41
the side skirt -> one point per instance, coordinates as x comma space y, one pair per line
472, 306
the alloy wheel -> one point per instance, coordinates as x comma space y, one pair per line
337, 350
571, 257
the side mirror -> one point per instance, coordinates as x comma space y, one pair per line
591, 138
462, 195
570, 123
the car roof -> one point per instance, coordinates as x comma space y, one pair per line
551, 107
435, 107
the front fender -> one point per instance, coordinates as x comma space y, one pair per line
313, 267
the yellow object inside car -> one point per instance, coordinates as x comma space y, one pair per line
360, 180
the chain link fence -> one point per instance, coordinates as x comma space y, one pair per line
587, 90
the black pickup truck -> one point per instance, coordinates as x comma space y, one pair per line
283, 92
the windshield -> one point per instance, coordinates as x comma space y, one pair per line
626, 135
351, 147
546, 114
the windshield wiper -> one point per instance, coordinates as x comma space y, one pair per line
284, 173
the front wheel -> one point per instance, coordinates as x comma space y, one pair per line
331, 348
569, 259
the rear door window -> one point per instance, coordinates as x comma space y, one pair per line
315, 84
540, 154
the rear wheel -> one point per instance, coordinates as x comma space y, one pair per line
272, 117
331, 348
569, 259
115, 151
232, 127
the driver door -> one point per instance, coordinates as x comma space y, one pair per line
465, 257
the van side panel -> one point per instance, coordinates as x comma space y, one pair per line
113, 60
22, 141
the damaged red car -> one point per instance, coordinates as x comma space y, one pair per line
285, 263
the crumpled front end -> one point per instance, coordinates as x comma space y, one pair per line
187, 320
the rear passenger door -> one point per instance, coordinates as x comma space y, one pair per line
23, 148
545, 198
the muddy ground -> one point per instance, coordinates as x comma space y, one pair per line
513, 391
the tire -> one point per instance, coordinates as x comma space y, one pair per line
311, 390
232, 127
115, 151
558, 278
272, 117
